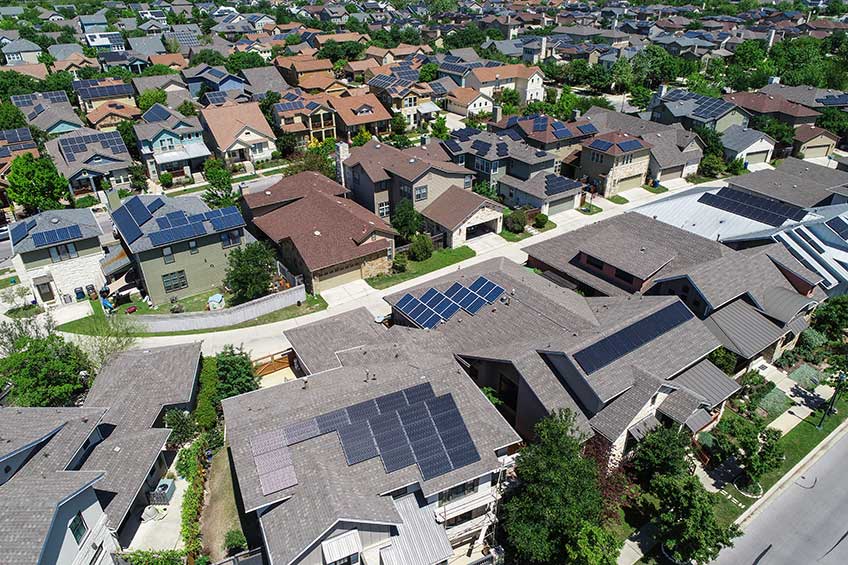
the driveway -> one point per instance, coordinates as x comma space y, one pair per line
486, 243
348, 292
453, 121
753, 167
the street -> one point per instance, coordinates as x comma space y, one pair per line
805, 523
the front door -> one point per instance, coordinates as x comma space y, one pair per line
45, 291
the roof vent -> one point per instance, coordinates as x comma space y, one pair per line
412, 160
268, 192
54, 220
377, 146
116, 449
316, 232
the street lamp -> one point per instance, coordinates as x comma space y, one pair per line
840, 380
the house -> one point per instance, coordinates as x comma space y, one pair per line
614, 162
126, 60
171, 142
37, 71
92, 93
259, 21
92, 23
320, 40
13, 143
74, 63
21, 52
50, 111
298, 67
174, 61
544, 132
747, 144
695, 110
401, 52
318, 233
207, 78
170, 261
406, 97
307, 117
809, 96
467, 101
106, 117
264, 79
232, 31
238, 133
147, 46
527, 81
774, 106
355, 70
87, 158
811, 141
362, 111
798, 183
106, 41
176, 90
77, 478
56, 252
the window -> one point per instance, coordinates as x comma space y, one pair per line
460, 159
383, 209
230, 238
168, 255
174, 281
594, 262
494, 166
63, 252
346, 560
456, 520
406, 190
78, 528
624, 276
409, 102
192, 247
468, 182
420, 193
457, 492
482, 165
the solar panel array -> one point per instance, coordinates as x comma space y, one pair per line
289, 106
453, 146
156, 113
216, 97
705, 106
26, 100
92, 92
540, 123
757, 208
588, 129
177, 233
17, 135
481, 147
503, 149
600, 145
381, 81
630, 145
79, 144
434, 306
406, 73
184, 38
464, 134
52, 237
838, 225
834, 100
629, 339
20, 231
408, 427
555, 184
437, 88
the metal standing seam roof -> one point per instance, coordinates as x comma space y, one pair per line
743, 329
420, 539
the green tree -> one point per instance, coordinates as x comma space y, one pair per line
220, 192
406, 219
781, 132
182, 426
724, 359
421, 248
362, 137
712, 141
187, 108
138, 177
158, 70
286, 143
584, 103
686, 522
600, 79
44, 371
11, 117
711, 166
249, 271
267, 106
148, 98
344, 51
487, 189
399, 124
439, 129
750, 54
621, 74
831, 119
640, 96
428, 72
35, 184
236, 374
595, 546
208, 57
556, 495
128, 135
664, 451
516, 221
831, 318
654, 65
244, 60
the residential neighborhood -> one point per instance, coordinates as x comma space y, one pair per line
423, 283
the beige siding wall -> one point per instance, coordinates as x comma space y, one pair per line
735, 117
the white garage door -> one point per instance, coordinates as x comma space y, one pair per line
757, 157
335, 279
816, 151
561, 206
629, 182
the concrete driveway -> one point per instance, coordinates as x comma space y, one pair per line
753, 167
453, 121
486, 243
342, 294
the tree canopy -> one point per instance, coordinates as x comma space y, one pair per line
35, 184
249, 271
406, 219
11, 117
148, 98
244, 60
220, 192
235, 373
664, 451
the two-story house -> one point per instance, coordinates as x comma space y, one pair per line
13, 143
296, 68
91, 93
87, 157
773, 106
363, 111
106, 41
613, 162
238, 133
526, 81
21, 52
695, 110
178, 246
305, 116
406, 97
50, 112
170, 142
56, 252
204, 78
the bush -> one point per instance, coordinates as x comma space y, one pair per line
166, 179
399, 264
516, 221
421, 248
540, 221
276, 155
234, 541
711, 166
755, 386
786, 360
724, 359
206, 411
124, 193
812, 339
736, 167
86, 201
182, 427
203, 560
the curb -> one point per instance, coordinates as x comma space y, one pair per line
786, 480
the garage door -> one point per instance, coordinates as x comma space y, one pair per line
561, 206
816, 151
335, 279
672, 173
629, 182
757, 157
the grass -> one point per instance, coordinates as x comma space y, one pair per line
699, 179
246, 177
27, 311
278, 170
7, 282
220, 513
659, 189
805, 375
439, 259
185, 191
516, 237
90, 325
590, 209
618, 199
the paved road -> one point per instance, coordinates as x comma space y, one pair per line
806, 523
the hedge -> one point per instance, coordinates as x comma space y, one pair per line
189, 467
206, 411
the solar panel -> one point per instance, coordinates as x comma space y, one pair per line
39, 239
301, 431
357, 443
434, 466
156, 113
418, 393
227, 222
389, 402
331, 421
588, 129
634, 336
163, 223
453, 146
600, 145
562, 133
540, 124
19, 231
752, 207
503, 149
555, 184
838, 225
155, 205
177, 218
397, 459
268, 441
137, 210
277, 480
630, 145
472, 303
486, 289
126, 225
429, 448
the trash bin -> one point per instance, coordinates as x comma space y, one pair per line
79, 293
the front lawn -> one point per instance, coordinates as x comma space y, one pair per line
7, 282
439, 259
590, 209
27, 311
618, 199
516, 237
659, 189
699, 179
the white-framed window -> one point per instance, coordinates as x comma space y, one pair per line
168, 254
420, 193
192, 247
63, 252
468, 181
482, 165
383, 209
495, 166
78, 527
174, 281
447, 496
410, 102
230, 238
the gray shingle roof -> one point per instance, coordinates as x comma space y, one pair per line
55, 219
62, 51
796, 182
738, 138
618, 415
21, 46
146, 45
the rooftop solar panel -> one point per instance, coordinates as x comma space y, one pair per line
630, 145
600, 145
588, 129
137, 210
838, 225
18, 232
127, 227
155, 205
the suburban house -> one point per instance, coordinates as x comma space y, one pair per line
178, 247
614, 162
747, 144
305, 116
176, 90
819, 186
363, 111
91, 93
296, 68
238, 133
755, 301
773, 106
527, 81
57, 252
406, 97
106, 41
170, 142
50, 111
21, 52
203, 78
812, 141
106, 117
87, 157
74, 63
264, 79
695, 110
544, 132
809, 96
318, 233
13, 143
76, 480
466, 102
92, 23
399, 53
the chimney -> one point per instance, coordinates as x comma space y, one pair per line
662, 91
342, 153
774, 80
543, 52
425, 139
497, 113
575, 114
770, 42
113, 201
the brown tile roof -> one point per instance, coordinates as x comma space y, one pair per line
226, 122
318, 82
294, 187
77, 60
807, 132
113, 108
169, 59
326, 230
346, 107
465, 95
304, 63
362, 65
456, 205
341, 37
762, 103
35, 70
616, 138
517, 70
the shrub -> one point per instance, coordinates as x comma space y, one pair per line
786, 360
399, 264
86, 201
736, 167
203, 560
755, 386
124, 193
812, 339
421, 248
206, 411
540, 221
234, 541
516, 221
724, 359
182, 426
166, 179
276, 155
